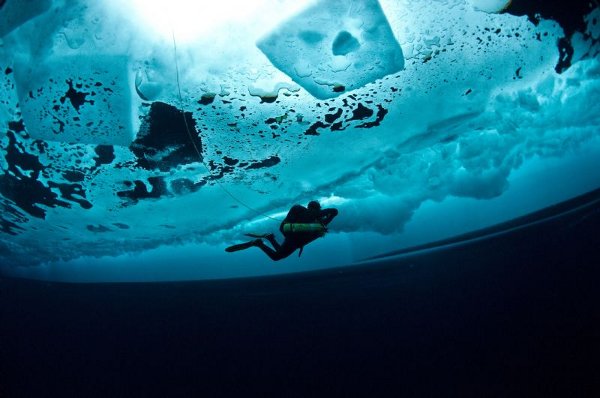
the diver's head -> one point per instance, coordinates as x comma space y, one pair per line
314, 205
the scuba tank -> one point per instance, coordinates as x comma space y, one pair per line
303, 227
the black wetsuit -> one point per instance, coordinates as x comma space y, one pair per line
297, 240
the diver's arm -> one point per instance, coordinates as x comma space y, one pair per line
327, 215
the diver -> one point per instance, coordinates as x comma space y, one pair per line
299, 227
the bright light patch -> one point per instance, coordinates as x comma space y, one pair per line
190, 19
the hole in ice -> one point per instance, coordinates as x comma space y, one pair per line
344, 43
311, 36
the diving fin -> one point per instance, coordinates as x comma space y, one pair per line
241, 246
260, 236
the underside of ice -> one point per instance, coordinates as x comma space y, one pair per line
76, 99
490, 5
15, 13
118, 141
335, 46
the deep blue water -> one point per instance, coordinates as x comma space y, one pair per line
510, 314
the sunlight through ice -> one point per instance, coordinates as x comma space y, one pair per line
190, 19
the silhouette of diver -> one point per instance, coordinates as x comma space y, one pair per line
300, 227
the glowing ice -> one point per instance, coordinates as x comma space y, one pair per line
82, 99
335, 46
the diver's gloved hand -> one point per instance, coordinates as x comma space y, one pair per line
324, 230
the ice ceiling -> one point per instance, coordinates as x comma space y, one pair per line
378, 108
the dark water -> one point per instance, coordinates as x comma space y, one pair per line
514, 314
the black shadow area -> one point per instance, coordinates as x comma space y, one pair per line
510, 314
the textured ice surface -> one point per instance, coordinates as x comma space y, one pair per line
489, 5
335, 46
478, 98
76, 99
16, 12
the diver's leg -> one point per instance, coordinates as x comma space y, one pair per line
271, 239
282, 251
267, 250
